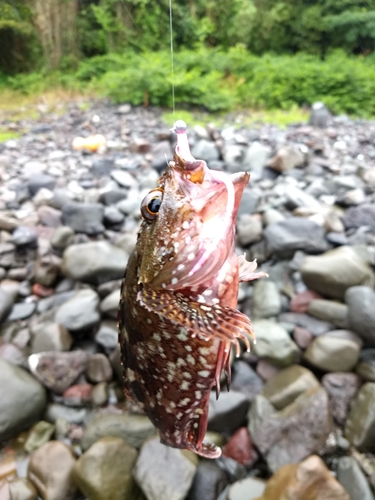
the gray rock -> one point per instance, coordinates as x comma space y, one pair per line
62, 237
113, 216
361, 311
314, 326
250, 201
298, 198
123, 178
333, 353
57, 411
249, 229
94, 262
342, 389
283, 388
25, 236
50, 337
99, 369
39, 181
274, 343
164, 473
250, 488
109, 305
105, 470
227, 413
296, 432
266, 299
360, 425
80, 312
84, 217
205, 150
23, 399
351, 477
295, 233
245, 380
366, 365
287, 158
256, 157
58, 370
21, 310
363, 215
6, 303
332, 273
329, 310
320, 115
107, 335
134, 429
209, 481
272, 216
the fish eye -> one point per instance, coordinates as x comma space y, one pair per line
151, 204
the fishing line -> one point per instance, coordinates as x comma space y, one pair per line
172, 59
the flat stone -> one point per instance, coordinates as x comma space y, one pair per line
58, 370
83, 217
105, 470
21, 310
94, 262
164, 473
80, 312
361, 311
329, 310
50, 471
315, 326
295, 432
342, 389
227, 413
23, 399
309, 480
360, 425
282, 389
39, 181
134, 429
351, 477
333, 354
266, 299
332, 273
274, 343
123, 178
295, 233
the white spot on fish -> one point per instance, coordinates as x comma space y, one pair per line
174, 281
191, 256
188, 348
190, 359
204, 373
185, 385
184, 402
198, 394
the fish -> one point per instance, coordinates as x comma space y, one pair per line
177, 314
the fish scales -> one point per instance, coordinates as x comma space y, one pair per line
177, 314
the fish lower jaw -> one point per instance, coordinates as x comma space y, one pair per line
205, 450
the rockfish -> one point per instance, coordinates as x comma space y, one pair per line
177, 314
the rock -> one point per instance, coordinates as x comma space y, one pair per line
320, 116
301, 301
209, 481
13, 354
58, 370
22, 489
49, 216
50, 471
40, 434
205, 150
249, 229
295, 432
363, 215
266, 299
107, 335
298, 199
164, 473
39, 181
105, 470
228, 412
360, 425
302, 337
99, 394
361, 311
256, 157
94, 262
113, 216
309, 480
342, 389
245, 380
329, 310
62, 237
78, 395
366, 366
288, 384
80, 312
21, 310
240, 448
351, 477
50, 337
333, 353
314, 326
295, 233
23, 399
24, 236
287, 158
332, 273
248, 488
99, 369
57, 411
84, 217
123, 178
134, 429
6, 303
109, 305
250, 201
274, 343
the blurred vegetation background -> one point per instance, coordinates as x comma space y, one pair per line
229, 54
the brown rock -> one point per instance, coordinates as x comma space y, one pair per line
241, 449
22, 489
302, 337
309, 480
99, 369
50, 471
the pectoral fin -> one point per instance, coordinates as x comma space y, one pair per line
205, 321
246, 270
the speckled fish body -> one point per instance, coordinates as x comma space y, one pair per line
177, 316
